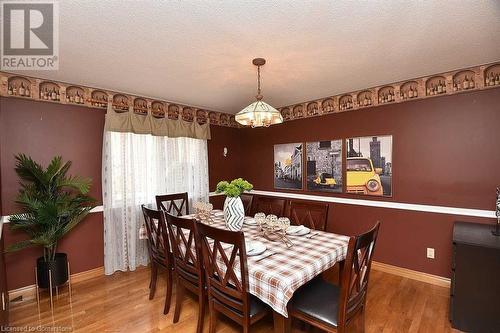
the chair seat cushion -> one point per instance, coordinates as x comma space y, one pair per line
256, 306
317, 299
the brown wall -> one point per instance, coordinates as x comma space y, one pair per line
84, 246
220, 167
43, 130
445, 152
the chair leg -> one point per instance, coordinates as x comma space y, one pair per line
213, 317
152, 283
179, 296
201, 310
168, 296
362, 319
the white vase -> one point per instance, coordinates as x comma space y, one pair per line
234, 213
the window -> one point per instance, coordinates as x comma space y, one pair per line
325, 144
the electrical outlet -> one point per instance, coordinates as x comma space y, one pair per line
430, 253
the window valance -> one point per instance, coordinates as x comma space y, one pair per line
148, 124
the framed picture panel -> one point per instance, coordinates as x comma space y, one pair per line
288, 166
369, 165
324, 166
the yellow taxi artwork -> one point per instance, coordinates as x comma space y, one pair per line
325, 179
362, 177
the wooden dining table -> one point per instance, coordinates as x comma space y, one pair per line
278, 272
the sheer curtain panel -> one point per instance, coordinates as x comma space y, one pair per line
136, 168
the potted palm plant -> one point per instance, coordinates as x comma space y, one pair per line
53, 204
234, 212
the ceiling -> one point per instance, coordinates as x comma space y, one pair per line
200, 52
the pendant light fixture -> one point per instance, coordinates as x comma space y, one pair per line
259, 113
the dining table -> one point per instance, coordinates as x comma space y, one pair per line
275, 274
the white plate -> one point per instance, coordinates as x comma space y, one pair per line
250, 221
254, 248
297, 230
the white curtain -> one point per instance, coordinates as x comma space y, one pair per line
136, 168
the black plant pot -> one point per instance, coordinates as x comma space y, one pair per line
58, 270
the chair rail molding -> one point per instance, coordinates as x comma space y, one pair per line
380, 204
348, 201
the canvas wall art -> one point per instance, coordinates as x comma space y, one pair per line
324, 166
369, 165
288, 166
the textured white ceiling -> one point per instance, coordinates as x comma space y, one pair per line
200, 52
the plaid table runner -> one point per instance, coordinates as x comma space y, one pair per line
274, 279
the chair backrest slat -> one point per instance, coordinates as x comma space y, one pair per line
176, 204
268, 205
247, 200
156, 229
185, 246
223, 251
310, 214
354, 280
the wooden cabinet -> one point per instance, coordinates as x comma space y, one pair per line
475, 280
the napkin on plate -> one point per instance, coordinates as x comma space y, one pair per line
295, 229
250, 221
249, 246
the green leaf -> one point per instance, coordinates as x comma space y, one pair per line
235, 188
19, 246
27, 168
221, 186
242, 184
22, 222
232, 191
52, 202
75, 220
77, 183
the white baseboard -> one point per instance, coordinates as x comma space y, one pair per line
29, 292
411, 274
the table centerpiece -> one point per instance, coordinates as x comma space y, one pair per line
234, 212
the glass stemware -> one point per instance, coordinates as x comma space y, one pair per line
284, 223
272, 221
203, 211
260, 218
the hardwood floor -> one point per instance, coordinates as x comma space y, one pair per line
119, 303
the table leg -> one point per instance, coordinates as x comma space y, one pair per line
341, 271
281, 323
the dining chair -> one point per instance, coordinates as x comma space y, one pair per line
310, 214
173, 203
188, 264
227, 277
159, 251
331, 308
247, 203
268, 205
